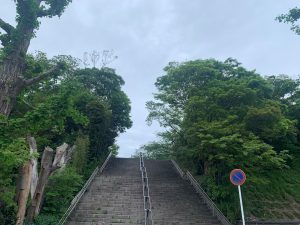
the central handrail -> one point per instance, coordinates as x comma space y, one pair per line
82, 191
146, 193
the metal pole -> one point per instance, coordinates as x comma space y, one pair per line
241, 203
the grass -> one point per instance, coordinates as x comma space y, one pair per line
280, 198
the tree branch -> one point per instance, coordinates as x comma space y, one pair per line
6, 26
43, 75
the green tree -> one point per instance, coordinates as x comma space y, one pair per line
114, 108
219, 116
60, 109
16, 41
154, 150
292, 18
63, 184
12, 156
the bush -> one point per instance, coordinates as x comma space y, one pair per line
44, 219
79, 159
63, 185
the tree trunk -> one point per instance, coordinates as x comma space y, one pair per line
24, 192
16, 44
60, 154
12, 70
206, 168
10, 83
34, 174
34, 177
46, 167
25, 183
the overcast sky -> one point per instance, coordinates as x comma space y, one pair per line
147, 34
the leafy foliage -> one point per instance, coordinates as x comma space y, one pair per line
28, 14
292, 18
114, 149
61, 189
80, 156
63, 185
64, 108
108, 117
12, 156
219, 116
154, 150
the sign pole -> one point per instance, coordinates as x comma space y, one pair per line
238, 178
241, 203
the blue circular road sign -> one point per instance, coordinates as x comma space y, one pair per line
237, 177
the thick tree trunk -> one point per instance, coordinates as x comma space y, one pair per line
46, 168
25, 183
60, 155
12, 70
10, 83
24, 192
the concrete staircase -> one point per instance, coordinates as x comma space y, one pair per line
115, 197
174, 200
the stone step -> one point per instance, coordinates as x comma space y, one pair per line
174, 201
115, 197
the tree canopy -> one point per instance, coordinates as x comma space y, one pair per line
15, 41
85, 107
220, 116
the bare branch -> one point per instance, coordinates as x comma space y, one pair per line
108, 56
6, 26
94, 56
43, 75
